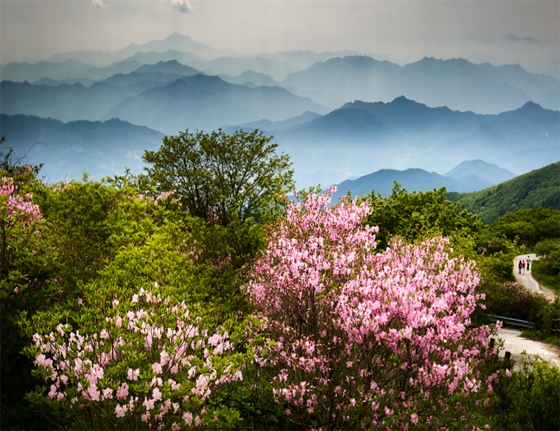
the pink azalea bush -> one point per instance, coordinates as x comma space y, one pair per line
359, 340
149, 363
14, 207
20, 221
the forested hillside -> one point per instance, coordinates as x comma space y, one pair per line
538, 188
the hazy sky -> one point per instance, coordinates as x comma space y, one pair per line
499, 31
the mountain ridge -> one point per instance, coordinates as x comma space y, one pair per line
69, 149
434, 139
468, 176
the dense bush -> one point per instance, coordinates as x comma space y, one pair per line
362, 340
418, 215
528, 397
143, 360
529, 226
549, 252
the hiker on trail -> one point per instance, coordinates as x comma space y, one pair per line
520, 266
523, 267
528, 262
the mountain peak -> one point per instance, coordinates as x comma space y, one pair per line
403, 101
531, 106
486, 173
177, 37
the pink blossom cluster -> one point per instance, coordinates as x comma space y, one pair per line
359, 339
152, 361
61, 186
164, 196
18, 207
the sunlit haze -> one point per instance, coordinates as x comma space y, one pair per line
499, 32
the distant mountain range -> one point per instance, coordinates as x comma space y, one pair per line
361, 137
466, 177
67, 150
206, 103
275, 126
167, 96
174, 42
338, 114
354, 140
456, 83
329, 78
477, 174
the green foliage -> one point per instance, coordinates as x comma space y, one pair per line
418, 215
529, 226
111, 361
25, 251
551, 282
547, 319
549, 252
99, 241
79, 214
221, 177
529, 399
538, 188
514, 300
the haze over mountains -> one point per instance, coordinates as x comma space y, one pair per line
468, 176
67, 150
339, 114
360, 138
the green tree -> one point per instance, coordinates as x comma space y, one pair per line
221, 177
549, 250
415, 216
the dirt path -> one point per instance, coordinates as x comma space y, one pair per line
526, 278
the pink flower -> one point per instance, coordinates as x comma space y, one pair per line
132, 374
156, 394
188, 418
53, 391
93, 393
107, 393
156, 368
120, 411
122, 392
149, 404
320, 288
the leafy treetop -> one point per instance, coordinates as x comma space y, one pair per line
221, 177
